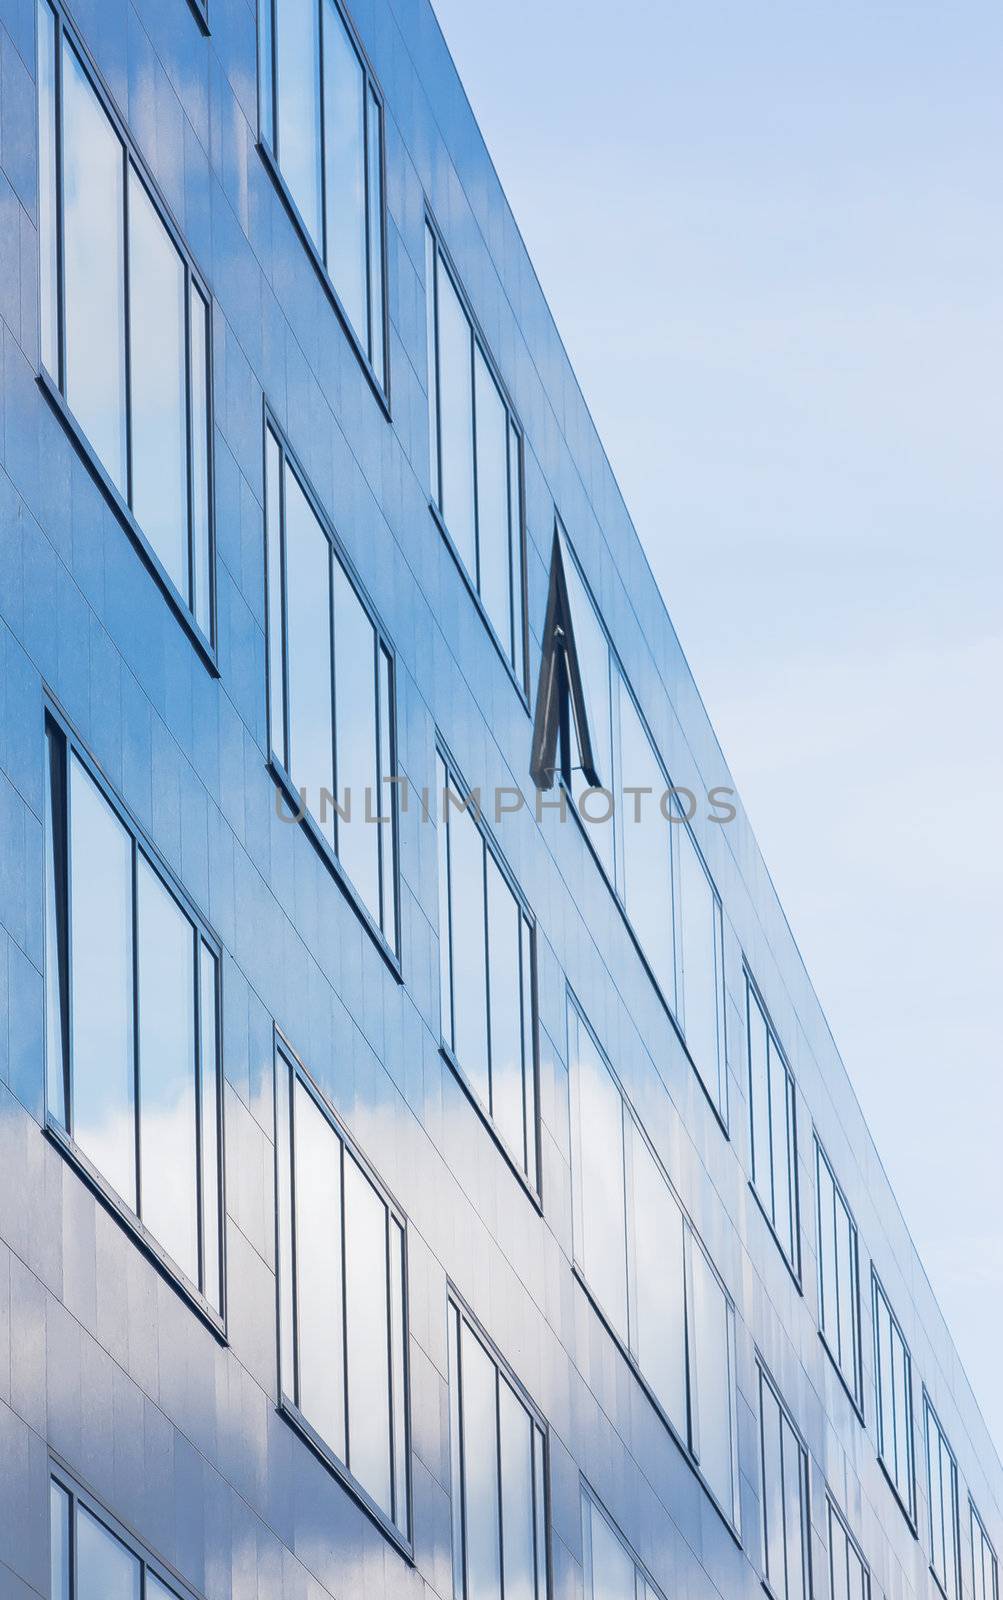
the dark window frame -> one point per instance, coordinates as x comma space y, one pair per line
835, 1514
531, 1180
267, 87
79, 1495
391, 953
200, 9
909, 1511
517, 668
767, 1381
768, 1204
856, 1391
590, 1497
568, 688
286, 1058
457, 1306
141, 849
53, 384
975, 1521
692, 1240
930, 1415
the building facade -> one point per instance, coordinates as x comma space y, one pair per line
425, 1169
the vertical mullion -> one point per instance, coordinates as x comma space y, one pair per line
783, 1500
501, 1491
291, 1079
487, 972
137, 1109
438, 370
835, 1259
200, 1067
335, 719
342, 1157
127, 275
322, 114
60, 252
287, 737
64, 902
189, 436
366, 203
444, 822
512, 515
473, 446
392, 1430
377, 665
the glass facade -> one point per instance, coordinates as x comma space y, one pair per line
773, 1129
893, 1400
786, 1519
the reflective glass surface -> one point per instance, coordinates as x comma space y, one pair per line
367, 1322
308, 654
345, 167
601, 1203
456, 422
356, 764
298, 97
319, 1324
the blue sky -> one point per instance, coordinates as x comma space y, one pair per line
772, 239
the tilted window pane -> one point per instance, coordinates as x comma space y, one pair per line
199, 317
298, 95
103, 1111
647, 870
601, 1203
702, 1000
356, 756
273, 536
492, 500
661, 1294
48, 245
516, 1450
320, 1317
478, 1389
158, 386
597, 677
367, 1323
374, 148
167, 1107
94, 270
59, 1543
470, 1041
209, 1003
345, 166
308, 653
504, 931
611, 1574
105, 1568
456, 422
713, 1389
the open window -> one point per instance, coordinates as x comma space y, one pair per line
561, 709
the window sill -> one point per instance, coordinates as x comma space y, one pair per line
910, 1519
153, 563
720, 1117
344, 882
792, 1270
138, 1231
656, 1405
382, 394
298, 1422
512, 671
532, 1194
855, 1402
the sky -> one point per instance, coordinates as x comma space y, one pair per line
772, 240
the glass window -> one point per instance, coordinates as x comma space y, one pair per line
90, 1561
611, 1570
475, 457
132, 1035
647, 1271
331, 696
647, 846
700, 1004
322, 122
893, 1399
785, 1520
772, 1129
838, 1277
342, 1319
985, 1571
118, 296
487, 985
942, 1499
849, 1578
497, 1455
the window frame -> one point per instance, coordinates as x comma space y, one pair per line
267, 88
767, 1381
909, 1511
834, 1513
285, 1056
614, 882
856, 1392
141, 849
753, 994
692, 1241
532, 1182
930, 1415
53, 384
456, 1304
79, 1495
590, 1498
975, 1521
392, 954
518, 669
200, 9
